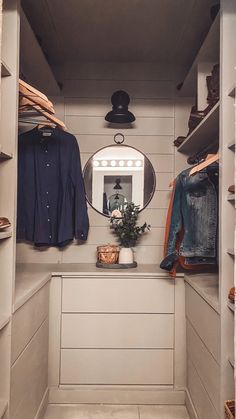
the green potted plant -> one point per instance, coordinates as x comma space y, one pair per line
126, 229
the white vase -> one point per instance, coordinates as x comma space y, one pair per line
126, 255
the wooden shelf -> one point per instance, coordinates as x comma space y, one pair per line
231, 306
4, 320
206, 133
3, 407
232, 91
231, 252
5, 234
208, 52
5, 70
231, 361
231, 145
231, 198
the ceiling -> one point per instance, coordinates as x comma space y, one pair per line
165, 31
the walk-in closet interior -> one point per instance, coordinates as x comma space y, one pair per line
107, 105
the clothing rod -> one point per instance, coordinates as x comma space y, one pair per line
33, 122
28, 114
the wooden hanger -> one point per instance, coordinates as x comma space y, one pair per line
33, 90
52, 119
26, 95
31, 98
46, 114
211, 158
25, 104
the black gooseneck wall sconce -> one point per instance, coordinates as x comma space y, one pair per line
120, 114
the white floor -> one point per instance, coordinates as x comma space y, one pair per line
115, 412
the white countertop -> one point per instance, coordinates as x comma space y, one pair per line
30, 277
207, 286
27, 283
73, 269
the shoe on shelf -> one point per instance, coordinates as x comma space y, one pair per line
213, 86
195, 118
231, 295
4, 223
179, 140
231, 188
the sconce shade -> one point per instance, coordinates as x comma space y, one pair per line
117, 184
120, 114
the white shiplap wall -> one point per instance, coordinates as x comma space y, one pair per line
87, 92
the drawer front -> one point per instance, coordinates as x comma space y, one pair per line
205, 365
199, 396
27, 319
205, 320
116, 366
117, 331
117, 295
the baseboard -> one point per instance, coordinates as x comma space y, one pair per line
190, 406
117, 395
43, 405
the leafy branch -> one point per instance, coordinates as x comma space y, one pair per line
126, 228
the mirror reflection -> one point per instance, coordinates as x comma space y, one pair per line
117, 175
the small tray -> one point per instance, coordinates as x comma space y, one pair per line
116, 265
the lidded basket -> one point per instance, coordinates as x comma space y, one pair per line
108, 253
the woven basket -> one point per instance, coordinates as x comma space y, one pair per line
108, 253
230, 409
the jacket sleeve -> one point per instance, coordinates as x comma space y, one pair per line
173, 227
81, 221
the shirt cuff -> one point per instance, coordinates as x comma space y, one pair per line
168, 261
81, 235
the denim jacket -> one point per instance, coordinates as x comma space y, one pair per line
194, 212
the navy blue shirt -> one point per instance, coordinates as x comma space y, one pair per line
52, 207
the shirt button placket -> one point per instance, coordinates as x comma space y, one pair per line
47, 199
48, 215
47, 196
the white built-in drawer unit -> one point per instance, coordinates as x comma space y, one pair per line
29, 370
117, 330
205, 320
199, 396
203, 344
206, 366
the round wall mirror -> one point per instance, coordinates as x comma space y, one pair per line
117, 175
